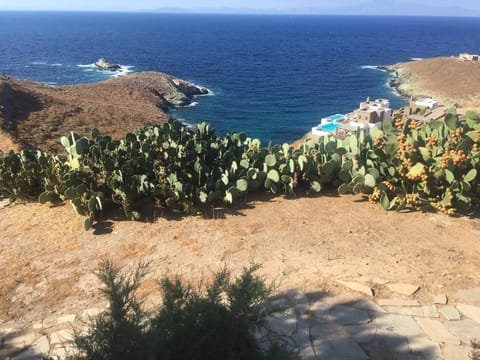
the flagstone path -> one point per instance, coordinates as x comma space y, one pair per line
353, 325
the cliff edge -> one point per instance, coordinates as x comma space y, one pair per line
34, 115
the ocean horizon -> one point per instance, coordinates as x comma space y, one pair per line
271, 76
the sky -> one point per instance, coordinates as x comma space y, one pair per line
349, 7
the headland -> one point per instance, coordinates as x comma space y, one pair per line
449, 80
35, 115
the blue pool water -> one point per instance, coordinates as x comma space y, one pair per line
335, 117
330, 127
272, 76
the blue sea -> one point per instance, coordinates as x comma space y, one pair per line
272, 77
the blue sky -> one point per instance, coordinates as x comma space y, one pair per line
378, 7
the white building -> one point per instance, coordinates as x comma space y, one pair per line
426, 103
370, 113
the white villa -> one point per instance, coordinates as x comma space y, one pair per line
469, 57
425, 102
370, 113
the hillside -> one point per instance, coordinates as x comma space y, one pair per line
447, 79
36, 115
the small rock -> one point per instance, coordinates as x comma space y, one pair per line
41, 345
66, 319
466, 330
473, 312
302, 335
400, 324
349, 316
61, 337
437, 332
380, 281
4, 203
364, 289
63, 351
421, 311
103, 65
397, 302
440, 299
366, 304
449, 313
403, 288
299, 301
455, 352
426, 348
339, 349
283, 323
90, 313
364, 333
327, 330
320, 310
37, 326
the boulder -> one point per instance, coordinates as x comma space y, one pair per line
103, 65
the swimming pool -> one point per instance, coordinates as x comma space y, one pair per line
335, 117
330, 127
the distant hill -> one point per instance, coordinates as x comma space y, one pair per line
34, 115
447, 79
378, 8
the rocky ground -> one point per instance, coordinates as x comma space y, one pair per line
356, 279
36, 115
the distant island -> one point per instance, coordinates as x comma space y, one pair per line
34, 115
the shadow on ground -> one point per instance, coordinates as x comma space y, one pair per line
16, 345
353, 330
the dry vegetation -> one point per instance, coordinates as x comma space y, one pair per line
36, 115
447, 79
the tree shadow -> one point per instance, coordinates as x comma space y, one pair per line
360, 329
102, 228
17, 106
17, 344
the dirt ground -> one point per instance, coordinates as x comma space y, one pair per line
46, 256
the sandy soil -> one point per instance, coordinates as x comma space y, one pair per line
304, 243
7, 143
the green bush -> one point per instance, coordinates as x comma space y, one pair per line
406, 164
213, 322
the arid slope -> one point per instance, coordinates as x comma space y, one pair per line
447, 79
36, 115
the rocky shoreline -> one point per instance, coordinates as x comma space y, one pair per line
34, 115
447, 79
400, 81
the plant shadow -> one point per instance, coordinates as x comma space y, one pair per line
15, 344
321, 328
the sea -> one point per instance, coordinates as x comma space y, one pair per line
272, 77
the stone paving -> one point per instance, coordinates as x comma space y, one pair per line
317, 325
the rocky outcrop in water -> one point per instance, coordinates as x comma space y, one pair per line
103, 65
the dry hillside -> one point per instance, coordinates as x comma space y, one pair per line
36, 115
447, 79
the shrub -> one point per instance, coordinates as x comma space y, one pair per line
212, 322
428, 166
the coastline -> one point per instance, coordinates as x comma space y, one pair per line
448, 80
35, 115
